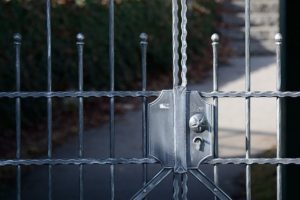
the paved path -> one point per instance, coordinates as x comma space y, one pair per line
128, 144
264, 25
231, 111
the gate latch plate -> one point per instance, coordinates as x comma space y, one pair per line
198, 131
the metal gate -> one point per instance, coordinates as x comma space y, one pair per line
180, 129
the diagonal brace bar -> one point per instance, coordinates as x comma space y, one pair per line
159, 177
210, 185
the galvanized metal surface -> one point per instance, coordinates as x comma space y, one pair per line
161, 130
248, 100
87, 94
127, 161
195, 146
278, 40
183, 42
197, 154
175, 43
80, 43
143, 45
98, 94
17, 43
49, 89
215, 124
173, 144
111, 41
179, 129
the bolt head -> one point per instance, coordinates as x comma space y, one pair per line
197, 123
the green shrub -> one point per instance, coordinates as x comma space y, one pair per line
91, 18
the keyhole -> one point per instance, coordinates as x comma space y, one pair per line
199, 143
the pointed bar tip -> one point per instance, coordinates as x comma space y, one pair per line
215, 37
278, 38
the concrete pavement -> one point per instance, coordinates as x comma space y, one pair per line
232, 111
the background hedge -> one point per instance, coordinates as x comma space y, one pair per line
91, 18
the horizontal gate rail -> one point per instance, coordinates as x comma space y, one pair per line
84, 94
255, 161
87, 94
77, 161
126, 161
254, 94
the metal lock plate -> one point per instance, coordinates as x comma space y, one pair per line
162, 130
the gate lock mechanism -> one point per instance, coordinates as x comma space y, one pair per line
180, 129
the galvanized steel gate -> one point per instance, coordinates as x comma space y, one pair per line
178, 115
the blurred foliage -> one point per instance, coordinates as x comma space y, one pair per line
91, 18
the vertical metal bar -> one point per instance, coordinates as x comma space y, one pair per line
112, 99
184, 186
179, 102
176, 187
180, 189
215, 43
175, 42
17, 43
247, 100
183, 43
80, 44
143, 44
179, 129
49, 99
278, 41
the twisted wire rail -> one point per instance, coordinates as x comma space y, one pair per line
254, 161
183, 43
176, 187
184, 186
86, 94
126, 161
175, 34
77, 161
255, 94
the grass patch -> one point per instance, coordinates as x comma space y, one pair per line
263, 180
